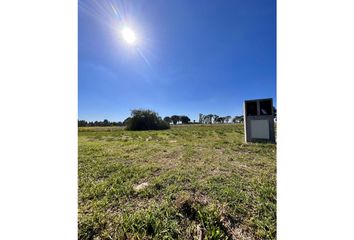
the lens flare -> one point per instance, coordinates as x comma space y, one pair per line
128, 35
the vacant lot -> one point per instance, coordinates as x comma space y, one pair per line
189, 182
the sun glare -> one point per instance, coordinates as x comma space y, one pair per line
129, 35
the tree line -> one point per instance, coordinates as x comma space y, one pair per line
104, 123
174, 119
146, 119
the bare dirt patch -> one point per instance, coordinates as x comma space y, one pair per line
141, 186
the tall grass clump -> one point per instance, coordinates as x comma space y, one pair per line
142, 119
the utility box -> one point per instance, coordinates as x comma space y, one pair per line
259, 120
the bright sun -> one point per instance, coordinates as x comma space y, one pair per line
128, 35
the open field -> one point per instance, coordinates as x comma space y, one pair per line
189, 182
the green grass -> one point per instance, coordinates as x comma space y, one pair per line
202, 180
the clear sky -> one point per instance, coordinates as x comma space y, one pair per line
189, 57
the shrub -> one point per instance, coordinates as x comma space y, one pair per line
167, 119
125, 122
146, 120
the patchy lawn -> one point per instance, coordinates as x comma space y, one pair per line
188, 182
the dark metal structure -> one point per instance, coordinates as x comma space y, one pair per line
259, 120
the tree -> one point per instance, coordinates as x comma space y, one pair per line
185, 119
106, 123
219, 119
142, 119
238, 119
167, 119
82, 123
175, 119
125, 122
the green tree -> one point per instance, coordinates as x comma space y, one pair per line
106, 123
82, 123
175, 119
142, 119
185, 119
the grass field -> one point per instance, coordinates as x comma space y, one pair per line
188, 182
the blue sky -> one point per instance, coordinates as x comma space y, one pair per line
190, 57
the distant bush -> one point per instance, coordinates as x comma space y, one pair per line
146, 120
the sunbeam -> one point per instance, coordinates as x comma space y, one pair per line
118, 16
